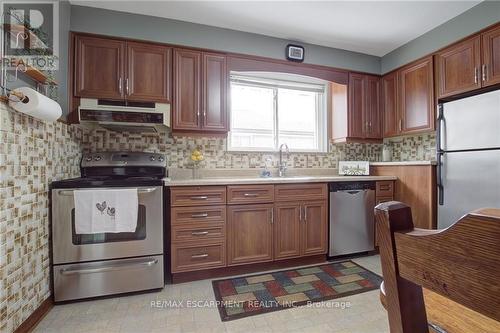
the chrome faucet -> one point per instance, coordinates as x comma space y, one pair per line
283, 163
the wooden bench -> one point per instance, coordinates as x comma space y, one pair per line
444, 279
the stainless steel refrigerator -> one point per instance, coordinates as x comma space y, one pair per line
468, 153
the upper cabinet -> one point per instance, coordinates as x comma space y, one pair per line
491, 57
99, 67
416, 97
200, 92
356, 109
408, 99
469, 64
148, 68
114, 69
458, 67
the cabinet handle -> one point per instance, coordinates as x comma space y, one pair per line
199, 233
127, 87
199, 197
272, 216
300, 213
305, 213
253, 195
400, 125
120, 86
484, 73
198, 117
475, 75
199, 215
199, 256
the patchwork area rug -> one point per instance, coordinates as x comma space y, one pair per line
250, 295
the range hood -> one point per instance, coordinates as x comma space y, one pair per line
124, 116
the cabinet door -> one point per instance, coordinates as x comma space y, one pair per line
314, 227
250, 233
287, 230
491, 57
458, 68
417, 96
390, 104
356, 118
372, 112
214, 93
148, 74
187, 90
99, 67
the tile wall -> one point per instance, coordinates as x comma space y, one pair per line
32, 154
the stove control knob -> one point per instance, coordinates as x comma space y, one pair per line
88, 159
97, 158
161, 159
152, 158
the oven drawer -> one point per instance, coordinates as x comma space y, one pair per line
77, 281
243, 194
198, 195
196, 256
199, 232
201, 214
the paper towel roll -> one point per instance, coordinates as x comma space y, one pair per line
36, 105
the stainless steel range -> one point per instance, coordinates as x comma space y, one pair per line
98, 264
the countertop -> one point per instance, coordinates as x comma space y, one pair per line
403, 163
271, 180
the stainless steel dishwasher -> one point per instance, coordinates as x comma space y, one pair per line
351, 217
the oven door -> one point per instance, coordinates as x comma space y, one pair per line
69, 247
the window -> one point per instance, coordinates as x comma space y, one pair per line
268, 110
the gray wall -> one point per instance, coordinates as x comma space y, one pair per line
469, 22
114, 23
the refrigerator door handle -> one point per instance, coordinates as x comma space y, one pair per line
439, 180
439, 155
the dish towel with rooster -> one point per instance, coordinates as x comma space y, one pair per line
100, 211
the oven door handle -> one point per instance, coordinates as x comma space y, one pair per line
139, 190
115, 267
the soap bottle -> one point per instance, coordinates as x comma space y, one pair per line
266, 172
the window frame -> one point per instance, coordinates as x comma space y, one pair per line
268, 81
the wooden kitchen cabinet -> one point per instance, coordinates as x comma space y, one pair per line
491, 57
250, 233
107, 68
417, 97
389, 94
148, 69
458, 67
408, 99
200, 92
360, 120
287, 230
99, 67
314, 227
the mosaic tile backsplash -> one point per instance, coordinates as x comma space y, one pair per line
178, 151
34, 153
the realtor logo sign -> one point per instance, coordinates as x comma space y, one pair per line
30, 33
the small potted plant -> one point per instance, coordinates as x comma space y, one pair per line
196, 159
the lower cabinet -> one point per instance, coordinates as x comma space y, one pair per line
314, 228
300, 229
250, 233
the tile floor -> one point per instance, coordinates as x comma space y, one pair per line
135, 313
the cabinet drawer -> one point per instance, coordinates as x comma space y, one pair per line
198, 195
292, 192
199, 232
200, 214
380, 200
195, 256
250, 194
385, 189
